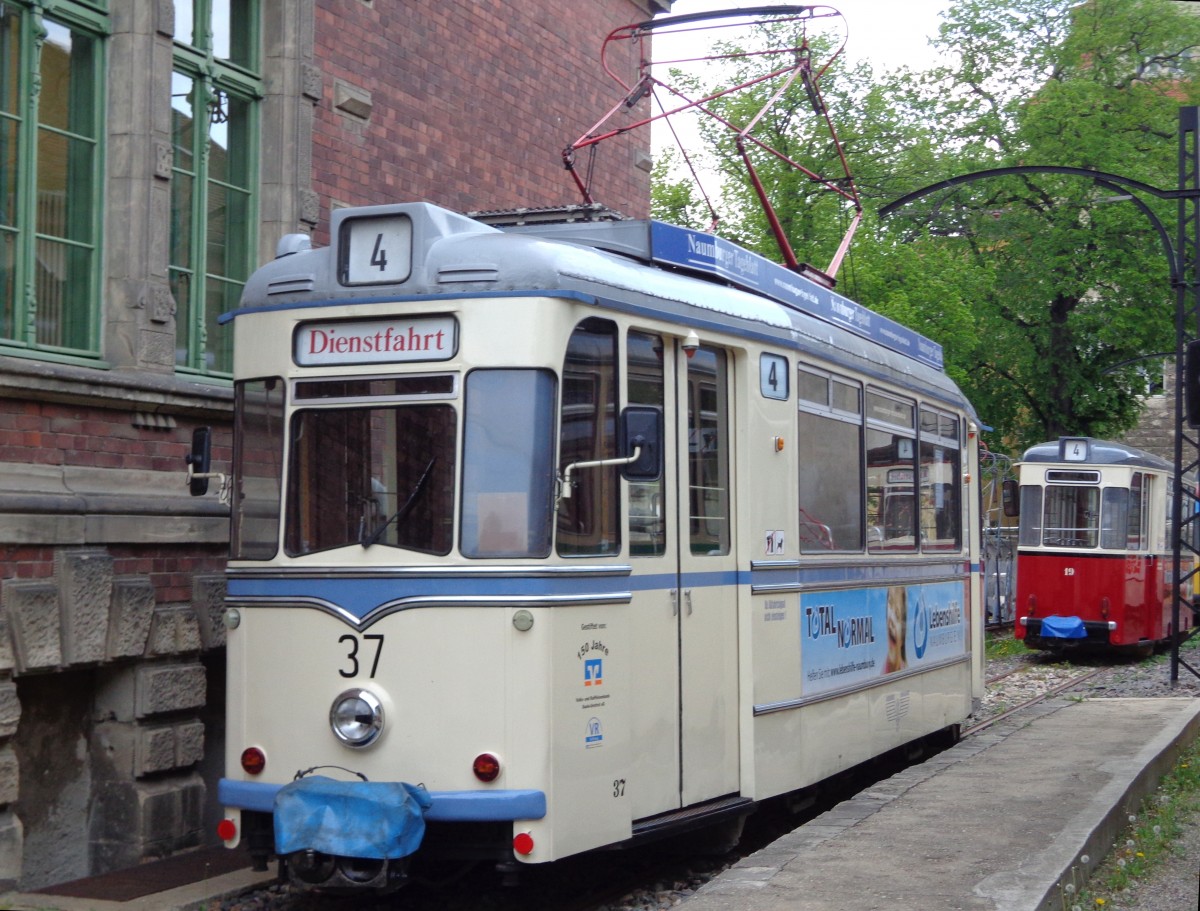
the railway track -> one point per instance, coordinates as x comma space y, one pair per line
1061, 686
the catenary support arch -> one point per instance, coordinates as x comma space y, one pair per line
1183, 260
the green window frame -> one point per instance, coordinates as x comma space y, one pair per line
52, 66
214, 174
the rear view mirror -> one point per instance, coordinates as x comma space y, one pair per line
641, 429
199, 461
1009, 499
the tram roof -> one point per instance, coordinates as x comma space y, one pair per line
1099, 452
709, 256
645, 265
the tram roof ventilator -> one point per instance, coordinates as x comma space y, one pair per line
589, 224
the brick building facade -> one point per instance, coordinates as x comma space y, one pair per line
128, 222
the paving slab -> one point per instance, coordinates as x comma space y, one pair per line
1006, 820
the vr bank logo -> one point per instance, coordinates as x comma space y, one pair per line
593, 672
595, 734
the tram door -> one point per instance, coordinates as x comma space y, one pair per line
684, 712
708, 647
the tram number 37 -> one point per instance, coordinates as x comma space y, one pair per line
359, 652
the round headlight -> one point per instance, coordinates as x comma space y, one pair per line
356, 718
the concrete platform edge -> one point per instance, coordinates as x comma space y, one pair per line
1099, 824
1040, 882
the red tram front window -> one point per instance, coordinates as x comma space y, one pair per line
1071, 517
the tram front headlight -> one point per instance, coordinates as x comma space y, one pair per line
356, 718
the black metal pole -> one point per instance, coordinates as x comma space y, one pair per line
1187, 289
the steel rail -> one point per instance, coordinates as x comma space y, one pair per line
1041, 697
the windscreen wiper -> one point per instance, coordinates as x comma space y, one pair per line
403, 510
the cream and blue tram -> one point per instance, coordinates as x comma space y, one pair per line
554, 537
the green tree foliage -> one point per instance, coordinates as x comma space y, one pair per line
1044, 289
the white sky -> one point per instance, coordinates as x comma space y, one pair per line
885, 33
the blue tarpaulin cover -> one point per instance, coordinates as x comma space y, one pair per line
372, 819
1055, 627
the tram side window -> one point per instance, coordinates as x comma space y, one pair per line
1140, 488
1071, 517
891, 469
588, 520
257, 468
829, 433
941, 509
708, 453
508, 476
647, 499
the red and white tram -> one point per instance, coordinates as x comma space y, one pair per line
1094, 548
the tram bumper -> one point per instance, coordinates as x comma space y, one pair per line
348, 834
1056, 627
1057, 632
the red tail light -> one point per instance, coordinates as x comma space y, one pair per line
227, 830
523, 844
486, 767
253, 761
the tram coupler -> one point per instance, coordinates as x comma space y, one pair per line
327, 873
510, 873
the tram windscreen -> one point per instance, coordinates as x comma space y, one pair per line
368, 476
1071, 517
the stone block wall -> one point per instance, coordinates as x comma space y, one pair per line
139, 691
1155, 430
